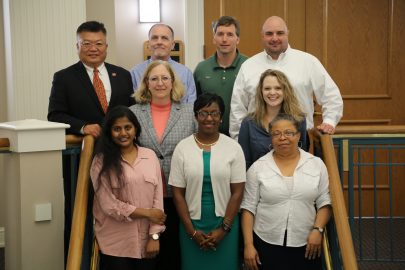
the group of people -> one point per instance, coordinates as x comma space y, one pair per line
186, 164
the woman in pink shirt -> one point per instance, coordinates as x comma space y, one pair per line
128, 200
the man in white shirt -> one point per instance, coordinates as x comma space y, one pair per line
305, 72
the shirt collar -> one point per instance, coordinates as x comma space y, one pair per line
90, 69
304, 157
170, 60
233, 65
280, 57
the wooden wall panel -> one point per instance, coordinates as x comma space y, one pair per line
360, 42
357, 47
252, 15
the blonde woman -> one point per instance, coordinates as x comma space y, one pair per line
274, 95
165, 122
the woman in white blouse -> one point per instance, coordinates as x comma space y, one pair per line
286, 204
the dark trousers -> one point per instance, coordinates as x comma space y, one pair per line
169, 255
274, 257
108, 262
68, 178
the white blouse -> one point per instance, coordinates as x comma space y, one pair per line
276, 209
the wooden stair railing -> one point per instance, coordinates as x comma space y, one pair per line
4, 144
80, 206
372, 129
338, 203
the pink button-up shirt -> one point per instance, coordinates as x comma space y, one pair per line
117, 233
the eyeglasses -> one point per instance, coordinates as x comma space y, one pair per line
163, 79
285, 133
87, 44
204, 114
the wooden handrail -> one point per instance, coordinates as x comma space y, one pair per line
74, 139
338, 203
80, 206
375, 129
4, 142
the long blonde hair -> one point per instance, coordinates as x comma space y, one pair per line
143, 94
290, 103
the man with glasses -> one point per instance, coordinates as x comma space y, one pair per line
160, 43
82, 94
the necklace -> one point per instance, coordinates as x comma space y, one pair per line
204, 144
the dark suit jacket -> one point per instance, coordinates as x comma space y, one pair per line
73, 100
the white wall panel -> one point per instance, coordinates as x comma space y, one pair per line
40, 39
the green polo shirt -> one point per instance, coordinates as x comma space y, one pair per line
209, 77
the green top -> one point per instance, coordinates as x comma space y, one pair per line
209, 77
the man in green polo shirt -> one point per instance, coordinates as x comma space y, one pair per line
217, 73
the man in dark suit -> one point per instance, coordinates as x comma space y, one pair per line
82, 94
73, 98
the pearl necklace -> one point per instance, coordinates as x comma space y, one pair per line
204, 144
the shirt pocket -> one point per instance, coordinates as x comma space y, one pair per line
309, 182
272, 189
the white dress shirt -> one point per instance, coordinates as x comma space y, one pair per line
276, 209
103, 74
305, 73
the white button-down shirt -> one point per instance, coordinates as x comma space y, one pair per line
276, 209
305, 73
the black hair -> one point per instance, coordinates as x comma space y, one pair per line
91, 26
287, 117
227, 21
105, 147
207, 99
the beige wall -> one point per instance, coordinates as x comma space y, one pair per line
131, 33
39, 39
104, 11
3, 91
33, 178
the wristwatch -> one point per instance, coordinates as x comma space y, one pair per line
226, 227
155, 236
321, 230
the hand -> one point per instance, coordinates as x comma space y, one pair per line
326, 128
214, 238
152, 248
157, 216
314, 246
92, 129
200, 238
252, 259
